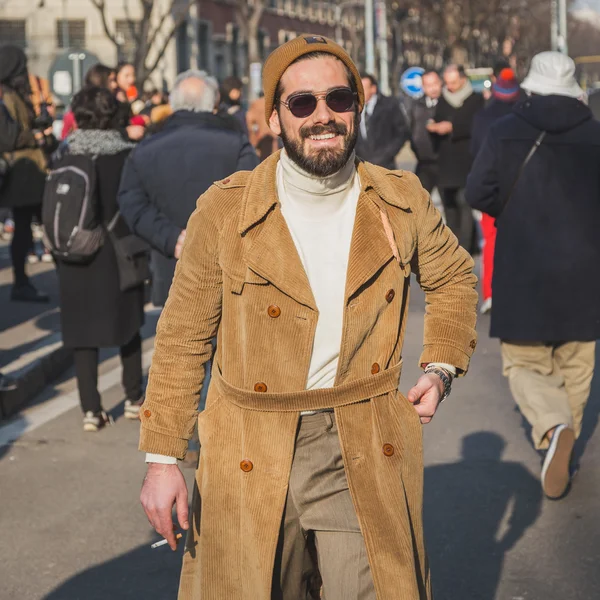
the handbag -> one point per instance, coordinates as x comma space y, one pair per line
133, 257
536, 145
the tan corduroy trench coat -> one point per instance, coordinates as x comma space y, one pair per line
240, 278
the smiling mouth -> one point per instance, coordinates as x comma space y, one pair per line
324, 136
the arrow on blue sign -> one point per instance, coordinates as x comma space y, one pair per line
412, 81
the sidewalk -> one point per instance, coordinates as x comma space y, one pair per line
31, 348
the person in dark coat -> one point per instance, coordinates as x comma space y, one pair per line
231, 102
422, 143
197, 146
505, 94
546, 285
95, 313
383, 129
23, 185
454, 119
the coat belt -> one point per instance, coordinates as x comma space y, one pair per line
351, 392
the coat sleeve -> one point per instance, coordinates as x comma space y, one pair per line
444, 271
143, 216
397, 135
183, 345
483, 190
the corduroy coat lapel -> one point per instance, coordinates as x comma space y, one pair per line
271, 253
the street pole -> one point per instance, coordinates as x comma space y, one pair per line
338, 24
369, 41
192, 35
562, 27
382, 46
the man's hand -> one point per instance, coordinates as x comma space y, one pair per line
164, 486
426, 396
179, 245
441, 128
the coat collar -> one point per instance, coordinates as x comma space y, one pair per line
260, 195
272, 253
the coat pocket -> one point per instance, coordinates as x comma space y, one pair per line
237, 282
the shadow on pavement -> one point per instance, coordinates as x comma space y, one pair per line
476, 510
141, 573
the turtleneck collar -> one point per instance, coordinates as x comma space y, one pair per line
297, 179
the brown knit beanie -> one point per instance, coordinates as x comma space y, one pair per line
281, 58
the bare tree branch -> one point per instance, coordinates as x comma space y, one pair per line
101, 6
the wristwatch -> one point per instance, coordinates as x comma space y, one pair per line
446, 378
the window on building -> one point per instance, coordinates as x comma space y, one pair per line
12, 31
126, 32
71, 36
204, 44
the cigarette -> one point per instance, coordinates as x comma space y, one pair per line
163, 542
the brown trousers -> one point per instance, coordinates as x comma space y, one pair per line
320, 531
550, 383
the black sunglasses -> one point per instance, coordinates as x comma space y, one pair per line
303, 105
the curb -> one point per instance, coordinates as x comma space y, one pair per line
33, 378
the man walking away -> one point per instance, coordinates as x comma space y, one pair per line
423, 114
505, 94
383, 130
166, 173
537, 175
454, 118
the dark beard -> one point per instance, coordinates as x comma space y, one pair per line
327, 161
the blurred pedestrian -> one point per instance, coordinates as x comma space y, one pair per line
537, 175
125, 77
197, 145
301, 268
265, 142
505, 94
422, 143
97, 75
452, 129
95, 312
23, 186
383, 130
231, 92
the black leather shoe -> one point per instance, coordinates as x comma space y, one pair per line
27, 293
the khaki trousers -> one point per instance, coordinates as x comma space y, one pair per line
319, 525
550, 383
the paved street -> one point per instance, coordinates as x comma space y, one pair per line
72, 527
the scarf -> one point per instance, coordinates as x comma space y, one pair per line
457, 99
97, 142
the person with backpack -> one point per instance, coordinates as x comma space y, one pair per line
95, 311
23, 184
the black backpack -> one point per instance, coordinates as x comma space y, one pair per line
72, 226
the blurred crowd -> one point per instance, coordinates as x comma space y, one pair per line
514, 167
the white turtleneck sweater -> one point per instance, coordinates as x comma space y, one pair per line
320, 212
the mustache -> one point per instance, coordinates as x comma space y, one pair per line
335, 128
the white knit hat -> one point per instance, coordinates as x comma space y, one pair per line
552, 73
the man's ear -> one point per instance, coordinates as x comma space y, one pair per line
274, 123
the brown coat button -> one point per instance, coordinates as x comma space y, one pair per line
274, 311
375, 368
260, 387
147, 413
473, 344
246, 466
390, 295
226, 181
388, 450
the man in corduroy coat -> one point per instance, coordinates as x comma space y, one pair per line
311, 471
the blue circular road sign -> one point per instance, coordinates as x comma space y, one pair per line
412, 82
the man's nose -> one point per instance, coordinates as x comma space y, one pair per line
322, 114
